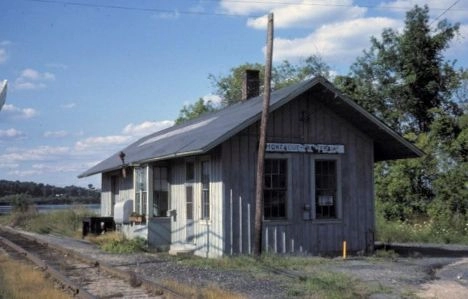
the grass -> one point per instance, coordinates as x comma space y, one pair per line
420, 231
333, 285
19, 280
208, 292
116, 242
315, 279
66, 222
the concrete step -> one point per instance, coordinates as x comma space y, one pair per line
182, 249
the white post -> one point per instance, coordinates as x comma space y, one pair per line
249, 233
284, 242
240, 224
232, 239
275, 239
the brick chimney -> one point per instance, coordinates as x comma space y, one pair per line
251, 84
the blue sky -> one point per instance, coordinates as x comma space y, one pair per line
87, 77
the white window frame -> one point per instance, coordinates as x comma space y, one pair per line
140, 192
207, 219
339, 204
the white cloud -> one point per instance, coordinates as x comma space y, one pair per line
68, 105
3, 51
57, 167
337, 43
436, 8
8, 165
24, 173
100, 143
168, 15
214, 99
55, 134
11, 133
19, 112
33, 79
146, 127
60, 66
306, 14
459, 45
247, 7
41, 153
3, 55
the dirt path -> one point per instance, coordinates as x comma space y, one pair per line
452, 282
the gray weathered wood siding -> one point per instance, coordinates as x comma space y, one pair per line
303, 120
208, 239
125, 186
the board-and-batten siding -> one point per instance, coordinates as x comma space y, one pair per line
208, 238
125, 187
301, 121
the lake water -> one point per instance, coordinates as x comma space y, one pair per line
50, 208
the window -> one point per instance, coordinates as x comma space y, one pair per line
140, 190
275, 189
205, 184
160, 199
326, 192
189, 171
189, 179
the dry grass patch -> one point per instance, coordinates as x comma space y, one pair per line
19, 280
208, 292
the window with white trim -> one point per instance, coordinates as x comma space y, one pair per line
141, 190
205, 189
275, 190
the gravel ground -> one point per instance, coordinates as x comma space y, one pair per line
399, 277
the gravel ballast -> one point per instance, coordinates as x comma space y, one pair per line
399, 277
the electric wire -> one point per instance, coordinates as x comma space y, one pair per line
444, 12
190, 12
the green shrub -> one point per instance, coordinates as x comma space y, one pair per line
115, 242
423, 230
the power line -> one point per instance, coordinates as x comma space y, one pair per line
189, 12
134, 8
308, 3
444, 12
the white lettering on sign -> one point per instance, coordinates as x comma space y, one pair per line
305, 148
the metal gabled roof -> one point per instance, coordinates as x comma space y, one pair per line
204, 133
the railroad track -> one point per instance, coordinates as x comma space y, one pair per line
78, 275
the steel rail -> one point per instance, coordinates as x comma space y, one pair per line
64, 281
128, 276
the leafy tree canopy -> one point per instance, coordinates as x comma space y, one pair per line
403, 76
229, 87
195, 110
404, 79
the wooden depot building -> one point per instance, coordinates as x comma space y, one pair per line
194, 183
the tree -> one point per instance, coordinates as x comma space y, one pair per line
195, 110
404, 79
229, 87
403, 76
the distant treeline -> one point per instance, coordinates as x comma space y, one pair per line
45, 193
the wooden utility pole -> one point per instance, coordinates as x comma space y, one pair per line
262, 142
